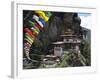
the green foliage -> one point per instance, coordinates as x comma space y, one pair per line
63, 62
38, 43
86, 51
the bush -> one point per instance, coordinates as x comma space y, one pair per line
86, 51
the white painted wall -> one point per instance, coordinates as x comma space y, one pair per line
5, 39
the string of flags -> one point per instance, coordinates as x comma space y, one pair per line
31, 31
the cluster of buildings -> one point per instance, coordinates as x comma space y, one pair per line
69, 43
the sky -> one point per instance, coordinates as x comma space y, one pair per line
85, 20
